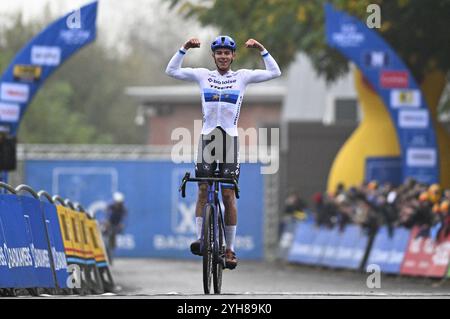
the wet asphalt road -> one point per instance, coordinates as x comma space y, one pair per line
166, 278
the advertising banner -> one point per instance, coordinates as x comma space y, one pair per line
425, 256
394, 83
301, 248
37, 236
16, 258
352, 247
56, 242
39, 58
330, 253
388, 252
160, 223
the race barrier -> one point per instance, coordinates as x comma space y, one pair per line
400, 251
40, 241
328, 247
84, 247
425, 256
388, 250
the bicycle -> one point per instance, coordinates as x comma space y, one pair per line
213, 240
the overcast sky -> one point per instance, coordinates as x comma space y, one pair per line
115, 16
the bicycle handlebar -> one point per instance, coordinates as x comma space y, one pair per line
187, 178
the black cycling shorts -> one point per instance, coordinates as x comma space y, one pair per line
218, 150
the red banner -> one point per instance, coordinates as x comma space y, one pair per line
440, 259
394, 79
425, 257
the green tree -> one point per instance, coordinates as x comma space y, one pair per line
89, 87
52, 121
416, 29
83, 101
50, 118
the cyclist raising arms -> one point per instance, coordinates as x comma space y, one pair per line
222, 94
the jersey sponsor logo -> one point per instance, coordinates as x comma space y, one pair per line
9, 112
413, 119
405, 98
46, 55
376, 59
210, 80
13, 92
220, 87
227, 96
394, 79
421, 157
211, 95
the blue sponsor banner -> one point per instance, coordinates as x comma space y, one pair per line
331, 250
56, 243
319, 245
388, 252
329, 247
395, 84
349, 251
160, 222
37, 236
359, 249
384, 169
39, 58
16, 250
6, 277
381, 249
301, 248
400, 242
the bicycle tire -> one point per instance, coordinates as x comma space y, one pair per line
219, 258
208, 242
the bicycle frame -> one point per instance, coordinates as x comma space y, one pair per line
213, 200
212, 254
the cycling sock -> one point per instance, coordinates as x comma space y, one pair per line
230, 233
199, 222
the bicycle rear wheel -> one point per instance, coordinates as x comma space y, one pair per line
219, 257
208, 244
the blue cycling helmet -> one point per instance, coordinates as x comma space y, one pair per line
223, 42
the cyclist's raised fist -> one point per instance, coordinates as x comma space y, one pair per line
252, 43
192, 43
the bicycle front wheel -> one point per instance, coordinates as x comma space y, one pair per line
208, 245
219, 257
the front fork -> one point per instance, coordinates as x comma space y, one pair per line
212, 194
213, 198
218, 251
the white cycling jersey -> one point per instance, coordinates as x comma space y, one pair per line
222, 95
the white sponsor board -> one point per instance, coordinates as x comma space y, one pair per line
13, 92
376, 59
9, 112
74, 36
422, 157
413, 119
405, 98
45, 55
348, 36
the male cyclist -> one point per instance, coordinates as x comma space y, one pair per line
222, 94
116, 212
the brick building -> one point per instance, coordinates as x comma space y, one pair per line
164, 108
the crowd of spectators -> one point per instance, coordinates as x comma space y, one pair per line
372, 205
